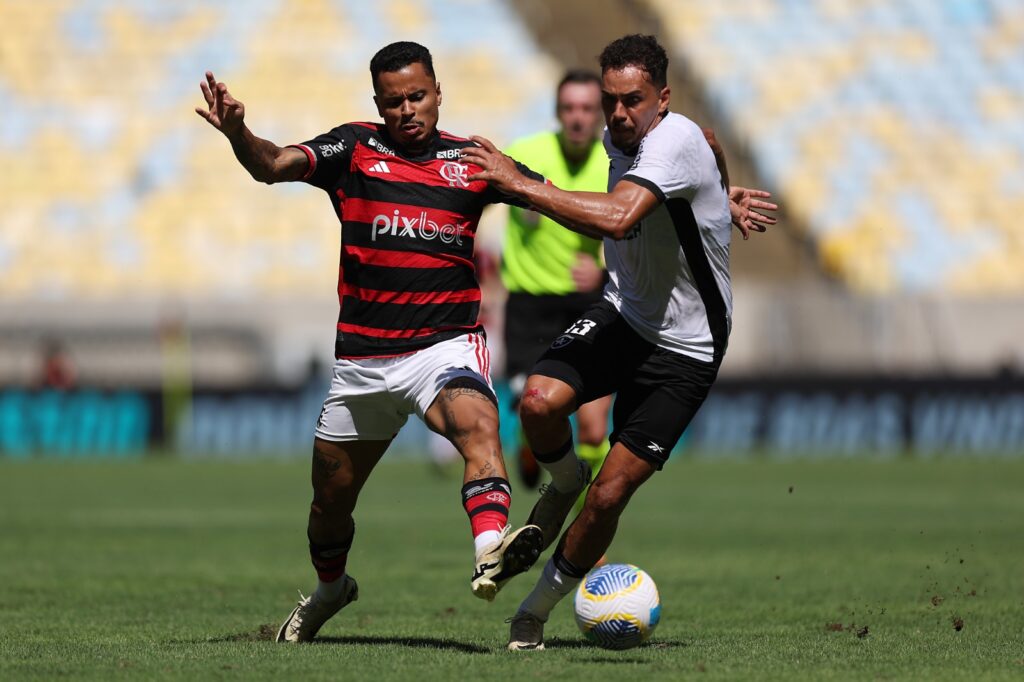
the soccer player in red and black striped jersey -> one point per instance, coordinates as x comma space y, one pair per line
409, 340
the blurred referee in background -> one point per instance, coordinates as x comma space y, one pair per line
552, 274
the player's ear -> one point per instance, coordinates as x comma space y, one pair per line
376, 103
437, 88
664, 97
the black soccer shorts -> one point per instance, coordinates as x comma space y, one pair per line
659, 391
532, 322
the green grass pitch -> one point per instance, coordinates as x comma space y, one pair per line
853, 569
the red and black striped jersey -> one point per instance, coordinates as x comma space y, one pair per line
408, 225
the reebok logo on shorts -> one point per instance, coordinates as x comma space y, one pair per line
561, 341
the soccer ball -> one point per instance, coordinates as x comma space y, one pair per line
617, 606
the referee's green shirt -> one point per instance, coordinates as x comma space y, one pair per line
538, 254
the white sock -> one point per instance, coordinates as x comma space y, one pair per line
565, 472
330, 591
551, 587
485, 539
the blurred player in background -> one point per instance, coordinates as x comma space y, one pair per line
658, 337
57, 370
553, 274
409, 340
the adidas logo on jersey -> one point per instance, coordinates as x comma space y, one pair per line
380, 167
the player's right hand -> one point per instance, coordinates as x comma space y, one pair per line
225, 113
495, 168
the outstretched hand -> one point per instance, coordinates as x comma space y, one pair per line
224, 112
746, 205
496, 169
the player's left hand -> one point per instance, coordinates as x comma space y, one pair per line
496, 168
746, 205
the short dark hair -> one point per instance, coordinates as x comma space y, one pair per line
397, 56
637, 50
578, 76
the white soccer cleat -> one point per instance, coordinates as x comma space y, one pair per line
514, 553
526, 632
308, 617
553, 506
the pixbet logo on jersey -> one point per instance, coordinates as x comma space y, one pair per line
417, 228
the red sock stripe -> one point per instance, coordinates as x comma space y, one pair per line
329, 570
487, 505
488, 520
329, 559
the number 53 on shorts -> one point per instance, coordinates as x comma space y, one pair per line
580, 328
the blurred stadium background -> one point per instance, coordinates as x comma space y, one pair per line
154, 298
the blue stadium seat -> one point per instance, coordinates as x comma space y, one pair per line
113, 187
867, 117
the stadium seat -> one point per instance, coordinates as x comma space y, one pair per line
893, 131
113, 187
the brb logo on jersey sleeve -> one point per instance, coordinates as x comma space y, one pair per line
420, 227
381, 147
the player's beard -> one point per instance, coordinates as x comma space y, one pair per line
623, 139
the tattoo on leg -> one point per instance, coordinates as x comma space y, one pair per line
456, 389
485, 471
451, 394
460, 425
458, 436
468, 386
324, 466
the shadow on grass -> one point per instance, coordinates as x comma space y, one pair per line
412, 642
560, 643
268, 632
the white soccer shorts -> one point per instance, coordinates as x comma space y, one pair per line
371, 398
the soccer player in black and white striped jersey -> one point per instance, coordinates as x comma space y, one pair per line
657, 338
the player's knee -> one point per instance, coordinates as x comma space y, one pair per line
536, 407
316, 508
330, 508
608, 497
330, 519
332, 498
590, 433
